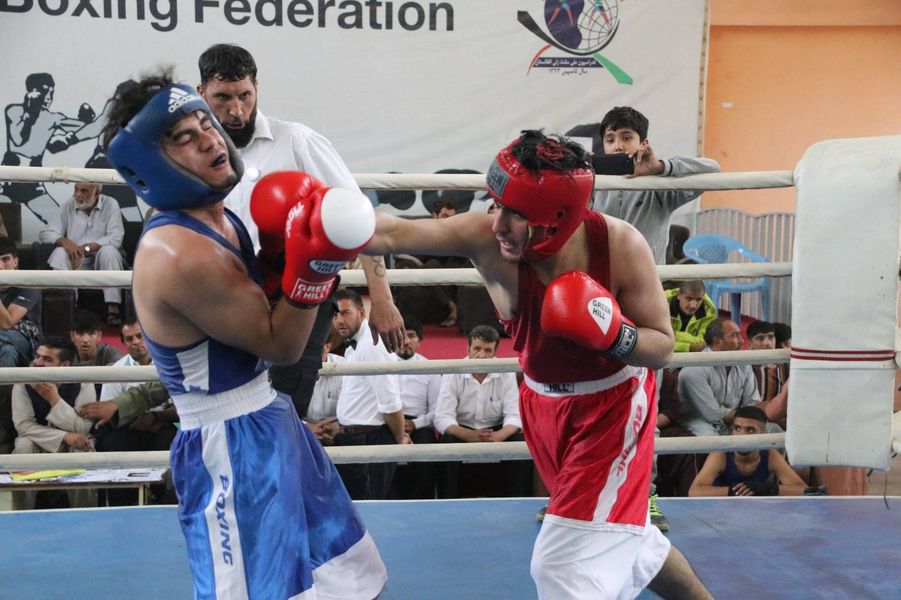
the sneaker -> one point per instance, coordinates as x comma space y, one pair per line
657, 517
539, 516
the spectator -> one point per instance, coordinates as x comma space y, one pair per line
443, 209
710, 395
419, 395
45, 414
88, 230
138, 356
154, 429
748, 473
322, 415
625, 131
369, 407
480, 407
783, 336
130, 404
692, 311
783, 341
86, 333
772, 380
20, 313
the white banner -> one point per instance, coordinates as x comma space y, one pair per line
396, 86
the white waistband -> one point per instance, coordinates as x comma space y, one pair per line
579, 388
196, 410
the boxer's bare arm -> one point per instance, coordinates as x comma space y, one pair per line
460, 235
187, 286
637, 288
468, 234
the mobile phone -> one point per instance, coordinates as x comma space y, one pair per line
612, 164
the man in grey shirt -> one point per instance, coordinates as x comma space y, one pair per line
88, 231
624, 130
710, 395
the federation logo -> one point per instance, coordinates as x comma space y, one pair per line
581, 29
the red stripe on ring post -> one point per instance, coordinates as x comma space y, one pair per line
842, 355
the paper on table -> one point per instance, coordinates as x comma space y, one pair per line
38, 475
91, 476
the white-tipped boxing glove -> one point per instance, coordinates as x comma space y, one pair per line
324, 229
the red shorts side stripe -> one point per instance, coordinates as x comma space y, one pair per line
594, 451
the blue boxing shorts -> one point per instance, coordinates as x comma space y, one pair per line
263, 510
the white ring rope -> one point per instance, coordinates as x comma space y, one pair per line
394, 453
474, 452
409, 181
439, 367
403, 277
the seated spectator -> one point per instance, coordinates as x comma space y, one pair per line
129, 405
772, 380
783, 341
369, 407
46, 418
86, 333
20, 314
322, 414
710, 395
89, 231
750, 473
481, 407
153, 430
691, 310
419, 395
783, 336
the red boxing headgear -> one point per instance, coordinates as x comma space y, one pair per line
554, 200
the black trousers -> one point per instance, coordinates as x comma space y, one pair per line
299, 379
416, 480
507, 479
367, 481
123, 439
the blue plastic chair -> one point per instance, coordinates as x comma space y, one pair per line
715, 249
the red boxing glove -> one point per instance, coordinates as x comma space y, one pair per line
270, 202
580, 309
325, 228
272, 198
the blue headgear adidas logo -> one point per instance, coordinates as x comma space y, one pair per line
178, 97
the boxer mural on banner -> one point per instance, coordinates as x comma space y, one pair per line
33, 129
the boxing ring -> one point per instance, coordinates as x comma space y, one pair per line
760, 548
747, 547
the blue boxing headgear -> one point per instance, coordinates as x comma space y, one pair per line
137, 154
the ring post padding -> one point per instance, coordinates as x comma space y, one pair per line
844, 303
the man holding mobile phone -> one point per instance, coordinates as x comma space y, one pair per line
627, 151
624, 131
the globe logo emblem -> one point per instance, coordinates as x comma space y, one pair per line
581, 28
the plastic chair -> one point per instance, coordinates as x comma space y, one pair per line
715, 249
